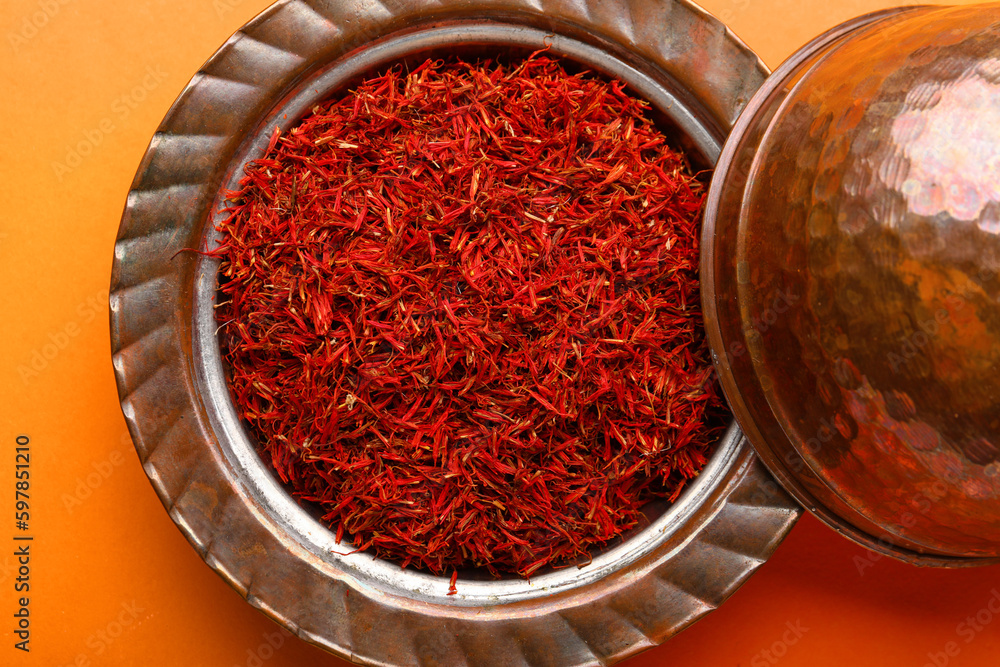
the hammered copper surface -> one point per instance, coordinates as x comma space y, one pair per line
855, 284
202, 465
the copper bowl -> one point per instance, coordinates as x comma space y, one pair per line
850, 280
229, 505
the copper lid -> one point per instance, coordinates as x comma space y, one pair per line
851, 280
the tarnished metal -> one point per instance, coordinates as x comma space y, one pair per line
850, 280
204, 468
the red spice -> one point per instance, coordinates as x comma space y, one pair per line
460, 313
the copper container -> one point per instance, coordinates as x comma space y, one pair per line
245, 525
850, 280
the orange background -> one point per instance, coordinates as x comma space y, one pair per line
113, 582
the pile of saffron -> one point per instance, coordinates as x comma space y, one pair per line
459, 310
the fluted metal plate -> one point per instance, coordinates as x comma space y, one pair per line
243, 523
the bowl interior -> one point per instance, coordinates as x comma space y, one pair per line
677, 116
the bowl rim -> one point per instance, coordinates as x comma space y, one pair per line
234, 513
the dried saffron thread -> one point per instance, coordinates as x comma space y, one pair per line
459, 309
